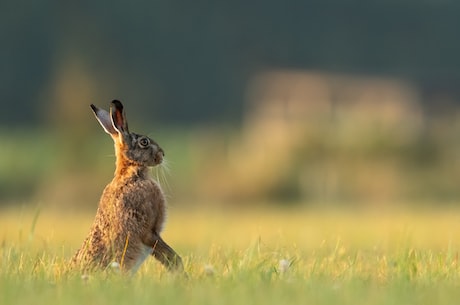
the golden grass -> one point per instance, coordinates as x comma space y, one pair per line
246, 256
307, 230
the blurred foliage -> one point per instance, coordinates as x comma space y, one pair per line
215, 165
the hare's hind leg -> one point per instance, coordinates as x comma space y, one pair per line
166, 255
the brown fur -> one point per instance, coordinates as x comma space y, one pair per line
131, 210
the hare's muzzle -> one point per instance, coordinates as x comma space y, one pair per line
159, 156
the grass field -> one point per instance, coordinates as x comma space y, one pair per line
245, 256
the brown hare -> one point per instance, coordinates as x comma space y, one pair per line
131, 210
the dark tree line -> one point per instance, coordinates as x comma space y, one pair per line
189, 61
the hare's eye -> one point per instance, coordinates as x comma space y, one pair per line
144, 142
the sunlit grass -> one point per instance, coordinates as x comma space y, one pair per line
245, 256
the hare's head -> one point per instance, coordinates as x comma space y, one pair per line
130, 147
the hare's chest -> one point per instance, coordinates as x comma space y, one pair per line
149, 200
153, 196
141, 200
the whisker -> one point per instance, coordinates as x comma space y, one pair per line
164, 171
160, 173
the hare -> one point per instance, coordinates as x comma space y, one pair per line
131, 211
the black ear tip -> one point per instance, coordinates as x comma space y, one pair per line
95, 109
117, 104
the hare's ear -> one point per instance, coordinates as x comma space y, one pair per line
119, 121
103, 118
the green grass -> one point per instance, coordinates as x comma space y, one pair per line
246, 257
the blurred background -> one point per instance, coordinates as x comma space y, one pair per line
298, 103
